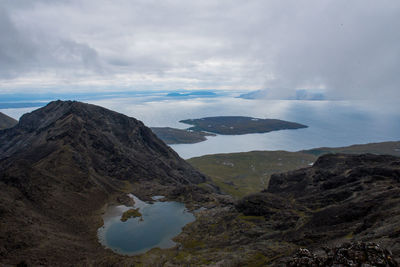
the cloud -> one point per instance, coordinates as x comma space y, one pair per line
349, 48
23, 51
16, 54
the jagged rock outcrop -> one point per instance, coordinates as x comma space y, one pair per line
6, 121
60, 165
347, 254
340, 198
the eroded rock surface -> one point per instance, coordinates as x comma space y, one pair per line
347, 254
341, 198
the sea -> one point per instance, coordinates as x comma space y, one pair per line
330, 123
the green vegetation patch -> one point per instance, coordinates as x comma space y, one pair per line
240, 174
192, 244
131, 213
251, 218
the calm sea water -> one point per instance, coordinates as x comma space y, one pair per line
331, 123
160, 222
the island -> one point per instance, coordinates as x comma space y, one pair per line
131, 213
178, 136
236, 125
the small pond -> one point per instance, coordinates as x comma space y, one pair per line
159, 223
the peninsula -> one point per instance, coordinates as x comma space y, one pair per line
179, 136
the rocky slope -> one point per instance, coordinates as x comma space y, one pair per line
341, 198
58, 168
6, 121
346, 254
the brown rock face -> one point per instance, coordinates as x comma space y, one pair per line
58, 168
341, 198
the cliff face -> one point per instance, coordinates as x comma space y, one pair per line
6, 121
111, 144
341, 198
61, 164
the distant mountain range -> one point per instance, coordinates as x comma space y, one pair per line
24, 100
192, 94
299, 95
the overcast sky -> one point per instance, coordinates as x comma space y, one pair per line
350, 48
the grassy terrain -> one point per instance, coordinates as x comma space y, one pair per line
239, 174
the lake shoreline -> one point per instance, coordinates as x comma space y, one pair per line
134, 228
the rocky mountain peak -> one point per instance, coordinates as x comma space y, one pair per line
106, 141
59, 167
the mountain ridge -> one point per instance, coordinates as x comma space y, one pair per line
70, 122
62, 164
